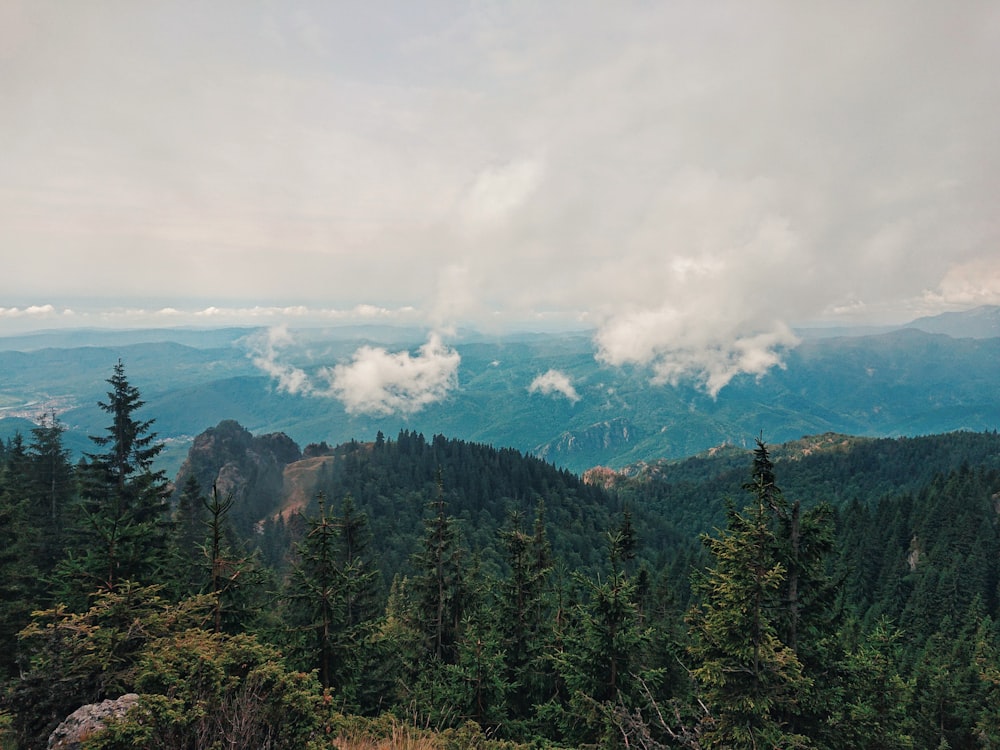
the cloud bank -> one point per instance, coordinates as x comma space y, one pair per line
553, 383
686, 178
676, 349
375, 381
380, 382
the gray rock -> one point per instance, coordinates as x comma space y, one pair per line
88, 720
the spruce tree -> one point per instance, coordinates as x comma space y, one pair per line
51, 490
187, 545
748, 678
18, 575
331, 602
524, 609
233, 576
122, 525
439, 583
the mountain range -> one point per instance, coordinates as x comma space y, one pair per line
933, 375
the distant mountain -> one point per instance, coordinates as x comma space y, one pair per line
104, 337
903, 382
978, 323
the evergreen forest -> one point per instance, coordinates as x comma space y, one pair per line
829, 593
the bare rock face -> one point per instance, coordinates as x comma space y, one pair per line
88, 720
238, 464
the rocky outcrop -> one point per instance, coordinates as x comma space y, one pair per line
610, 437
88, 720
249, 468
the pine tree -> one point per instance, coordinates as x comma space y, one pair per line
122, 526
18, 576
233, 577
316, 609
439, 584
523, 611
601, 659
51, 490
748, 677
872, 713
187, 572
331, 602
808, 614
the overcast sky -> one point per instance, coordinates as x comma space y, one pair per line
687, 178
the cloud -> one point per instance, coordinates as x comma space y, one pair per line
499, 191
554, 382
264, 353
31, 311
968, 284
377, 381
678, 348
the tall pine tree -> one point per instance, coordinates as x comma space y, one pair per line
122, 525
748, 678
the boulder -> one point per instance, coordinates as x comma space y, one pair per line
87, 721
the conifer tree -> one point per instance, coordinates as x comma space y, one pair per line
807, 614
479, 690
439, 584
17, 573
51, 490
122, 526
748, 677
186, 551
317, 611
872, 712
331, 601
601, 661
520, 609
232, 576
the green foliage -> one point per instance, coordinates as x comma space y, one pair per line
204, 689
121, 526
748, 677
872, 713
198, 686
71, 659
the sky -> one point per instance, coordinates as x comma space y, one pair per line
688, 180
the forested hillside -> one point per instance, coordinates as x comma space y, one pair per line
833, 592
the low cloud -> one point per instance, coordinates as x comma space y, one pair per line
377, 381
678, 349
554, 383
499, 191
32, 311
265, 349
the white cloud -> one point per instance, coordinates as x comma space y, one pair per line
499, 191
678, 348
265, 351
377, 381
31, 311
554, 382
968, 284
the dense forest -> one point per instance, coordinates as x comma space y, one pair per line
834, 593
